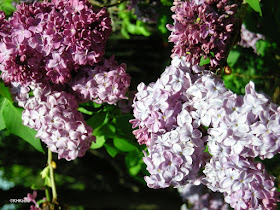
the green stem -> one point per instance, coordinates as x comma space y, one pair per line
47, 194
54, 194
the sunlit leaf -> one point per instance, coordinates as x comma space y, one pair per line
100, 140
255, 4
13, 122
112, 151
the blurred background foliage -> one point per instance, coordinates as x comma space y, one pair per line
110, 175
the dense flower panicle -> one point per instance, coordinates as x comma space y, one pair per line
105, 82
200, 28
170, 115
247, 126
199, 197
249, 39
54, 115
157, 105
49, 40
48, 48
246, 185
174, 158
162, 115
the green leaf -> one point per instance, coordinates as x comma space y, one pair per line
132, 158
48, 182
166, 2
2, 123
123, 144
5, 92
123, 126
134, 170
233, 57
85, 111
37, 187
255, 4
100, 140
7, 7
134, 162
106, 130
204, 61
95, 105
97, 120
261, 46
131, 28
112, 151
45, 172
13, 123
162, 24
141, 29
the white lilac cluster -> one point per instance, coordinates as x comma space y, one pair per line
171, 115
199, 197
107, 82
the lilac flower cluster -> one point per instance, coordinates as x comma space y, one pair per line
60, 126
171, 115
240, 125
199, 197
245, 184
54, 50
202, 27
249, 39
163, 115
104, 82
50, 41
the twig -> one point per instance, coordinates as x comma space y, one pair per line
54, 198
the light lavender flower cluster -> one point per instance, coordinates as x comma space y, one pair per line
202, 27
54, 50
104, 82
245, 183
249, 39
163, 114
200, 197
60, 126
171, 115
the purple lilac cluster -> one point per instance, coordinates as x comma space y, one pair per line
51, 40
202, 27
104, 82
249, 39
200, 197
171, 115
54, 50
